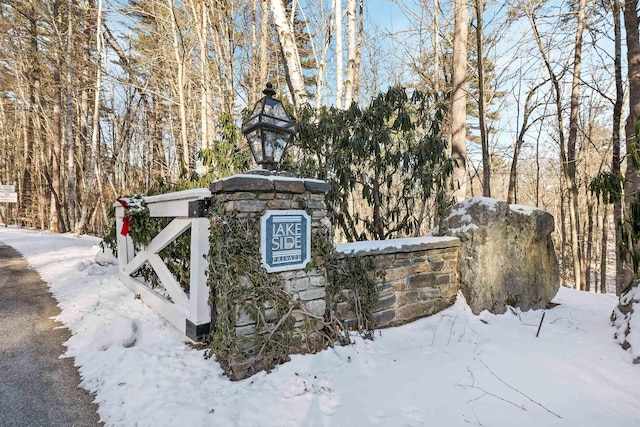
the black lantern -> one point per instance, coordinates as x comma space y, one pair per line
268, 130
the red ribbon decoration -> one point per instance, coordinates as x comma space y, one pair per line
126, 219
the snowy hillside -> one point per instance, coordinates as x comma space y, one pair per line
452, 369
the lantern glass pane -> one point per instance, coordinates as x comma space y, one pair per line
280, 145
274, 122
255, 144
279, 112
252, 121
270, 138
268, 106
274, 145
256, 108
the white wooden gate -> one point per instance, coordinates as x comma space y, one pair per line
188, 311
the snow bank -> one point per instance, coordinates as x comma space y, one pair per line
452, 369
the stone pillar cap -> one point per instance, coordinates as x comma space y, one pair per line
269, 182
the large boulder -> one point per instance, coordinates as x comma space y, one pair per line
506, 254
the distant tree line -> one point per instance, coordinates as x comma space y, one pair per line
535, 100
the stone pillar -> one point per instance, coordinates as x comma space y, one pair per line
253, 199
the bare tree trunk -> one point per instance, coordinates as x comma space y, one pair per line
33, 82
7, 152
538, 169
254, 77
631, 21
459, 100
482, 120
95, 131
570, 184
290, 52
356, 77
436, 42
589, 249
183, 160
264, 31
573, 137
563, 232
199, 11
604, 249
597, 257
513, 173
82, 140
351, 53
322, 61
71, 187
56, 222
338, 32
615, 156
224, 16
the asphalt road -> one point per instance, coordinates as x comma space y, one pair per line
37, 388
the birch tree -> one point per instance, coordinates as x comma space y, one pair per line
200, 15
327, 31
339, 65
459, 100
286, 36
349, 86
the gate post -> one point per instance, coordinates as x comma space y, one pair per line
289, 212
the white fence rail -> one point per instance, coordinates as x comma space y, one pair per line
189, 311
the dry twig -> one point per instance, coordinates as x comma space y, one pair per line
451, 330
519, 392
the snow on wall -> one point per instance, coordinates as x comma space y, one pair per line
397, 245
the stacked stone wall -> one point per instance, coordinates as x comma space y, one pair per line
250, 196
419, 277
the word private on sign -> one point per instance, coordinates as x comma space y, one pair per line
285, 240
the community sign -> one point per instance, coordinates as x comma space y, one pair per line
8, 194
285, 240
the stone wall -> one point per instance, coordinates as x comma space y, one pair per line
420, 277
418, 274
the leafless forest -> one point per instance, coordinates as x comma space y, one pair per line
105, 98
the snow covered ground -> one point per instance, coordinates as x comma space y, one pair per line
452, 369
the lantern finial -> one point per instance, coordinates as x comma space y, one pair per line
269, 90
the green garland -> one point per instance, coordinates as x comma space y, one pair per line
142, 229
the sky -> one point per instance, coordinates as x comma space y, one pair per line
450, 369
